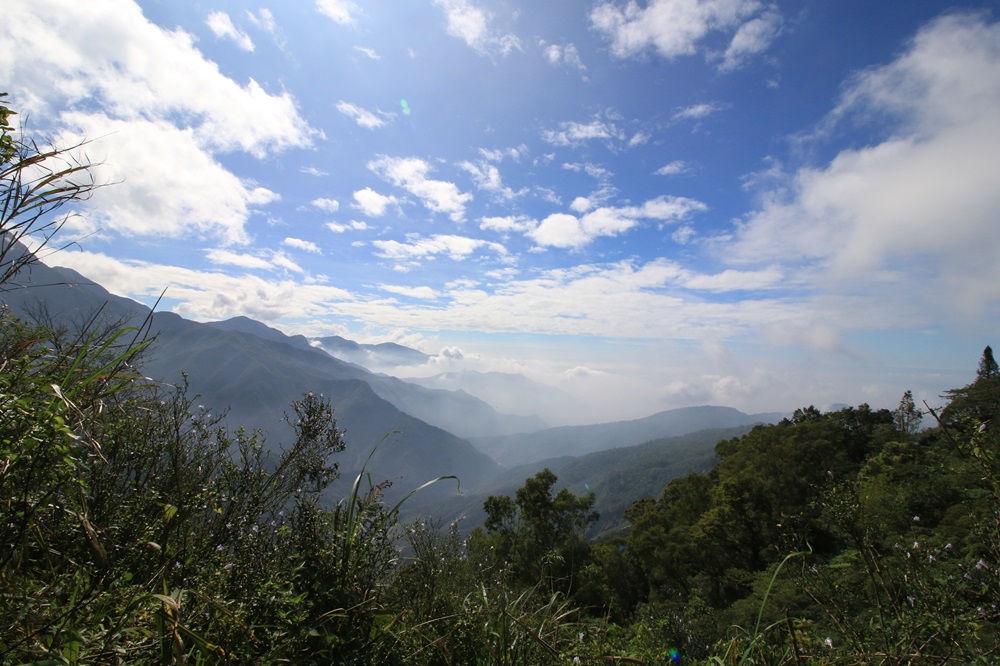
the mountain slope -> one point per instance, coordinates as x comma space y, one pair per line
256, 379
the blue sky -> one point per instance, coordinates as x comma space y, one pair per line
648, 204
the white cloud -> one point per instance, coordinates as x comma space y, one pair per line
222, 27
166, 111
281, 260
211, 294
673, 168
560, 230
264, 20
471, 24
423, 293
575, 133
753, 37
340, 11
110, 54
563, 54
563, 230
667, 208
361, 116
227, 257
508, 224
326, 205
683, 234
368, 52
300, 244
677, 27
581, 205
410, 173
372, 203
638, 139
457, 248
736, 280
354, 225
197, 196
911, 219
515, 153
487, 177
696, 111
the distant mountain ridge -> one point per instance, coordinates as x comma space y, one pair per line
522, 449
371, 355
508, 393
254, 372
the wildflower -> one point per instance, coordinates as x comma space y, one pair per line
576, 660
981, 565
218, 548
828, 642
916, 519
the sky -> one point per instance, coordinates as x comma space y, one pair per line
648, 204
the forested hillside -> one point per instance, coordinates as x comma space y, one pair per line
138, 527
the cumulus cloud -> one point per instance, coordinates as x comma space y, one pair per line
353, 225
508, 224
411, 174
153, 86
222, 27
675, 28
197, 197
472, 25
372, 203
457, 248
913, 214
326, 205
563, 230
363, 117
300, 244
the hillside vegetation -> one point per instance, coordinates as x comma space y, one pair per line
138, 526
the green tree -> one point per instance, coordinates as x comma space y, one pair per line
538, 535
907, 417
978, 401
988, 367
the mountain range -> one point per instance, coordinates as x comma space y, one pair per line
422, 429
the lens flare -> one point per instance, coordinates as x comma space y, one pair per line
405, 106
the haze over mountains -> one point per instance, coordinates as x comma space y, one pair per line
439, 427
